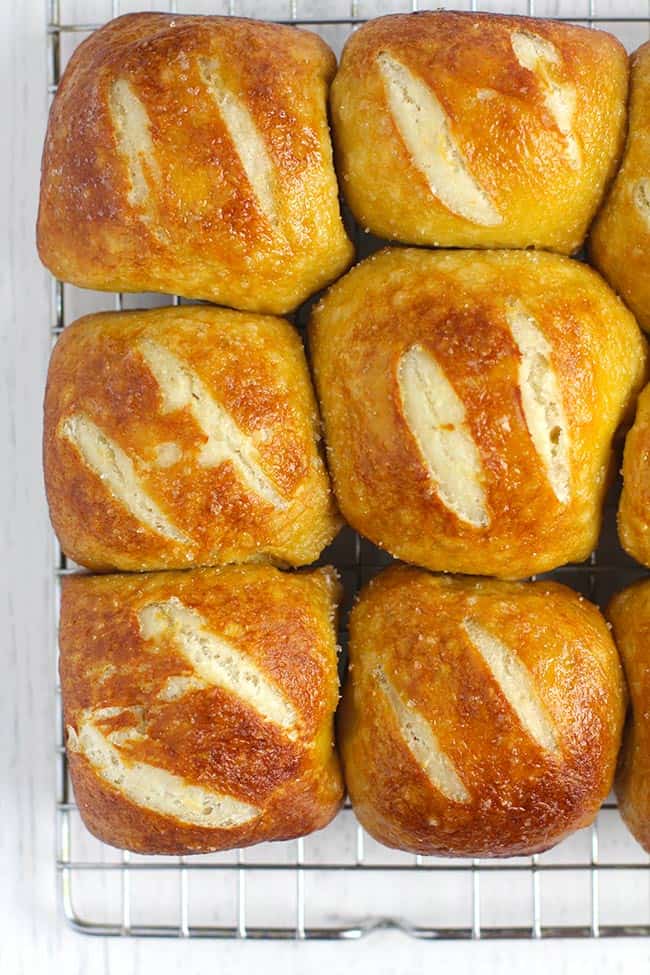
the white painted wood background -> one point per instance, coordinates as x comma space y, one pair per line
33, 939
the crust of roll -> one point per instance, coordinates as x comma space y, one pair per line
629, 612
521, 694
469, 401
174, 743
478, 130
184, 436
620, 237
191, 156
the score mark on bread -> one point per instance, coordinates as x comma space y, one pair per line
146, 785
543, 59
133, 137
422, 743
246, 138
541, 399
437, 419
425, 129
515, 683
116, 471
215, 661
641, 198
181, 388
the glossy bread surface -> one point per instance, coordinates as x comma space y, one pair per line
191, 155
469, 402
479, 718
620, 237
634, 506
199, 706
629, 612
184, 436
466, 130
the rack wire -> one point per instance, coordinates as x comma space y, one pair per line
339, 883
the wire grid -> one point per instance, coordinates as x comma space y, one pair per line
339, 883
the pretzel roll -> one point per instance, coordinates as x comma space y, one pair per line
469, 400
191, 155
184, 436
620, 238
629, 612
634, 505
479, 718
476, 130
199, 706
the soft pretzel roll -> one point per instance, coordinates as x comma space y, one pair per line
629, 612
634, 505
469, 401
620, 237
477, 130
191, 155
199, 706
184, 436
479, 718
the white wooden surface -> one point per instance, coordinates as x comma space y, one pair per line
32, 936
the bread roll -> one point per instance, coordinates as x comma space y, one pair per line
182, 437
629, 612
634, 506
479, 718
192, 155
620, 238
469, 402
476, 130
199, 706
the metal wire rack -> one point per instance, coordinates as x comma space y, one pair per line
339, 883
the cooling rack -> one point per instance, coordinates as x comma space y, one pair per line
339, 883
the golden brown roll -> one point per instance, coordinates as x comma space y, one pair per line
199, 706
469, 402
192, 155
479, 718
476, 130
620, 238
629, 612
182, 437
634, 506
